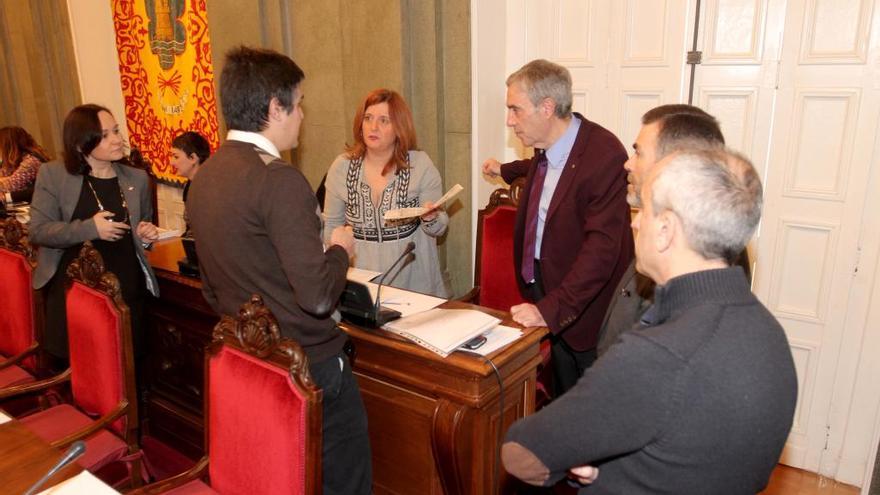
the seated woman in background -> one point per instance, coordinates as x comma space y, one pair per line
383, 171
92, 196
188, 151
20, 158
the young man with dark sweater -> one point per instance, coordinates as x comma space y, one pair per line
258, 231
701, 399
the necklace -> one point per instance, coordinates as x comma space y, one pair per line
101, 205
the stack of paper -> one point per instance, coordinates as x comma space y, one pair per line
442, 330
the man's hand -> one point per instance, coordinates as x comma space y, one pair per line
147, 232
527, 315
343, 236
584, 474
492, 167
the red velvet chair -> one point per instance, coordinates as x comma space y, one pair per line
494, 271
494, 276
103, 411
20, 314
262, 414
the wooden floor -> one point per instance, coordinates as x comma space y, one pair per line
790, 481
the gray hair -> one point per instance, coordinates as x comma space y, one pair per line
717, 196
544, 79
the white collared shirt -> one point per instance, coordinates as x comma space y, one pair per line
256, 139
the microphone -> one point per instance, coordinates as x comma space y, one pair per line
410, 247
77, 449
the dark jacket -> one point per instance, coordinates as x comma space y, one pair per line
587, 241
255, 221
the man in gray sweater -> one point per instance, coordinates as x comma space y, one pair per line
701, 400
258, 231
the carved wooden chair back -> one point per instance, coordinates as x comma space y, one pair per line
263, 411
20, 306
494, 272
99, 338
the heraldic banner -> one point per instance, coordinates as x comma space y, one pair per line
167, 75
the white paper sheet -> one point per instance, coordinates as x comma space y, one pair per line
84, 483
496, 338
168, 233
421, 210
405, 301
360, 275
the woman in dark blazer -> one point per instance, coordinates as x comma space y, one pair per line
92, 196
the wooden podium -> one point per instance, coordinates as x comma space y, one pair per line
435, 423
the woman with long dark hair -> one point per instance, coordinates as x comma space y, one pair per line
93, 195
20, 159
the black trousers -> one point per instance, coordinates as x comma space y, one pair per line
347, 467
568, 364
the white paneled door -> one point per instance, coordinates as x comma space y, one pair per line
821, 151
625, 57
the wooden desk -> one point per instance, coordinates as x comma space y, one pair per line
434, 422
179, 327
25, 458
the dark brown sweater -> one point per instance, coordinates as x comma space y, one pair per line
258, 231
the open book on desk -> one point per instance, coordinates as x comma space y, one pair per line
443, 330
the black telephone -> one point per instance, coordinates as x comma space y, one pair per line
357, 306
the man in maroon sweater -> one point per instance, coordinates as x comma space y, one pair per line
258, 231
572, 240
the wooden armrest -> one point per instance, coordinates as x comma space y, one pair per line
472, 296
98, 424
17, 359
36, 386
200, 470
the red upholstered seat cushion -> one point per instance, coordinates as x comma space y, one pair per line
16, 306
195, 487
257, 427
14, 375
498, 288
94, 337
57, 422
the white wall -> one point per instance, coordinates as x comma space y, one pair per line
95, 50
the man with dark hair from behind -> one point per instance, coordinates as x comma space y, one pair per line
257, 229
665, 129
701, 399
